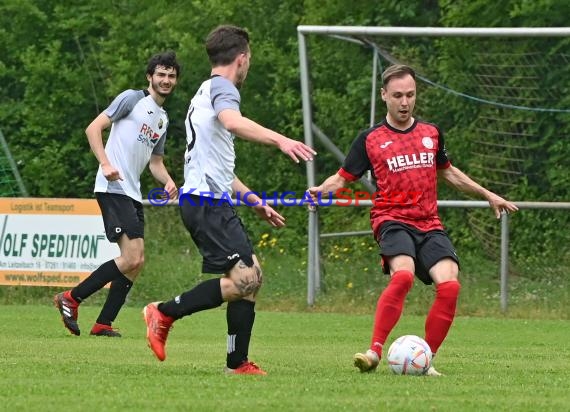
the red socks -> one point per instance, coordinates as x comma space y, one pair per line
391, 303
441, 314
389, 308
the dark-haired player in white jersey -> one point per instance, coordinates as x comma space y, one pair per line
213, 120
138, 133
407, 156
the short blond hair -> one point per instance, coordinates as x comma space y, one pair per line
397, 71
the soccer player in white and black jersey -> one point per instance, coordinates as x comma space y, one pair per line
138, 133
407, 156
213, 121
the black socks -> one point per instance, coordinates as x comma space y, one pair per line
240, 316
206, 295
120, 288
104, 274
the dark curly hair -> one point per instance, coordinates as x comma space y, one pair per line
166, 59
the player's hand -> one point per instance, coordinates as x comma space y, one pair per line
269, 214
295, 150
315, 193
110, 173
500, 205
171, 189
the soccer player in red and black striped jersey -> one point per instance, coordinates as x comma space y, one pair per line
407, 156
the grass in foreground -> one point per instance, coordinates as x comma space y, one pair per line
490, 365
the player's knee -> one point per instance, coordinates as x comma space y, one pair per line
258, 279
259, 275
445, 270
253, 281
454, 272
134, 264
247, 279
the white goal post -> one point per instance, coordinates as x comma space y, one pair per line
351, 33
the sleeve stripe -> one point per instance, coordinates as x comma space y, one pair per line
346, 175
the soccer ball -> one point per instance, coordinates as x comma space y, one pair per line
409, 355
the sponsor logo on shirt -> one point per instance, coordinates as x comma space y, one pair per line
410, 161
148, 136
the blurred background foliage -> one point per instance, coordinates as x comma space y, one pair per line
63, 61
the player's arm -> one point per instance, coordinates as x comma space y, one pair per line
331, 185
264, 211
94, 134
247, 129
159, 172
355, 165
460, 181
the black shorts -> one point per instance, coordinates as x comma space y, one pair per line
218, 233
426, 248
121, 215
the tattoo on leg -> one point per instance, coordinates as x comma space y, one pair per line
250, 283
259, 276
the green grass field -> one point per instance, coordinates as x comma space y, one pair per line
493, 361
489, 365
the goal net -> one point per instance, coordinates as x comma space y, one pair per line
501, 98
